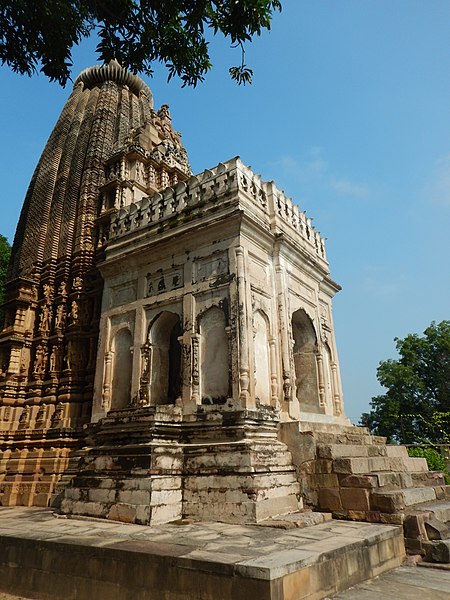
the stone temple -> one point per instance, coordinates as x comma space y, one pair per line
168, 349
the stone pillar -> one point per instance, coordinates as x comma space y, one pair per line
320, 378
243, 361
273, 372
195, 395
289, 391
338, 409
106, 392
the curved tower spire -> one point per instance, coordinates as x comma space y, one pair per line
108, 148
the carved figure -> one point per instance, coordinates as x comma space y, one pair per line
40, 360
60, 317
62, 290
77, 284
46, 317
74, 312
48, 291
55, 359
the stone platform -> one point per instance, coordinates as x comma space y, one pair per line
49, 558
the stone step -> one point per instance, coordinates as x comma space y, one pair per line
379, 463
440, 508
360, 451
351, 438
389, 480
399, 500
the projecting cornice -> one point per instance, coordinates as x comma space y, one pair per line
97, 75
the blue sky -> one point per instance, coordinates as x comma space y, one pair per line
349, 113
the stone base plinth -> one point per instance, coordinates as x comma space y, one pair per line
150, 466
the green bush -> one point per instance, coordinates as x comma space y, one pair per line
435, 460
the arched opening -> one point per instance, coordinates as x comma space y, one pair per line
305, 348
121, 369
262, 358
165, 386
214, 369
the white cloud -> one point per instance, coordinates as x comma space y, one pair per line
313, 168
437, 189
345, 187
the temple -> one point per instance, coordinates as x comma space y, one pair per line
168, 349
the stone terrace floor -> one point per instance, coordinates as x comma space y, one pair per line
253, 552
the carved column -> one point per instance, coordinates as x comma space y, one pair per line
320, 378
144, 380
273, 372
336, 395
244, 368
286, 346
195, 341
106, 393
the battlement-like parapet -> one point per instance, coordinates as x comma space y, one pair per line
228, 186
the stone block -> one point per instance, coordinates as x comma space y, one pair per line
133, 497
388, 502
358, 481
330, 499
355, 499
122, 512
413, 496
396, 451
101, 495
436, 530
323, 480
438, 551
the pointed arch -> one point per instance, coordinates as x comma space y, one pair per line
122, 364
305, 362
214, 356
261, 336
165, 379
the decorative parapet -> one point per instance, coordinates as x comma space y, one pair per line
229, 184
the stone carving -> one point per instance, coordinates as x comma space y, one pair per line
48, 292
40, 361
24, 418
62, 290
58, 415
77, 284
45, 319
74, 312
144, 382
55, 360
60, 317
41, 414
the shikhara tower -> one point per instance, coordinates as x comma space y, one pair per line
108, 148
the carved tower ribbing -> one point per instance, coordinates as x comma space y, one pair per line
109, 148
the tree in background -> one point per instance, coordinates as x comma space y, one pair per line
416, 406
5, 253
135, 32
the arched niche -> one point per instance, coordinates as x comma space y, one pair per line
121, 369
262, 357
214, 357
305, 363
165, 382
